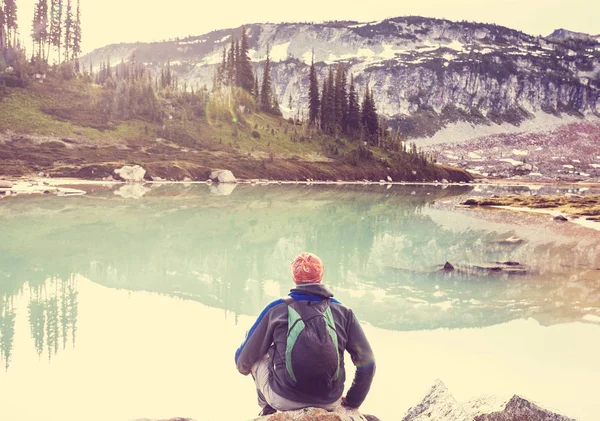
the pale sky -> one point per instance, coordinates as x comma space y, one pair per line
113, 21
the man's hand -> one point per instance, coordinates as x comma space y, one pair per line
345, 403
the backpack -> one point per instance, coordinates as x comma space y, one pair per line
312, 358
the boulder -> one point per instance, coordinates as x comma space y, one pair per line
560, 218
222, 176
389, 179
5, 184
132, 174
318, 414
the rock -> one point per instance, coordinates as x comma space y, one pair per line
318, 414
41, 174
222, 176
389, 179
134, 174
157, 178
560, 218
440, 405
516, 409
5, 184
132, 191
437, 405
444, 181
448, 266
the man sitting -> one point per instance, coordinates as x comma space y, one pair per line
295, 349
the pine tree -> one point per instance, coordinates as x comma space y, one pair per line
77, 33
2, 23
340, 98
369, 118
266, 88
256, 90
313, 94
36, 27
10, 17
231, 63
236, 63
353, 119
246, 77
56, 26
325, 106
68, 30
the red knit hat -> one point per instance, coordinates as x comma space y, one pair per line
307, 268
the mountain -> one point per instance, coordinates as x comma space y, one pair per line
564, 34
431, 77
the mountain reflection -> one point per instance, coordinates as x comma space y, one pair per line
382, 250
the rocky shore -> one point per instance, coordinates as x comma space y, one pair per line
571, 207
437, 405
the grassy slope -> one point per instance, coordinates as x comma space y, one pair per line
55, 127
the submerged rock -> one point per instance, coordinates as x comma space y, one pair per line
134, 174
448, 266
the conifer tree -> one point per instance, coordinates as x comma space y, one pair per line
68, 30
10, 17
369, 117
313, 93
266, 88
256, 90
246, 77
56, 26
325, 106
39, 32
77, 33
340, 98
2, 23
353, 119
231, 63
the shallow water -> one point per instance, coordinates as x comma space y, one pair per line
120, 308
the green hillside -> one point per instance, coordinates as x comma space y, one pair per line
78, 128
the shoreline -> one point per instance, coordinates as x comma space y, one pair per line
579, 221
67, 181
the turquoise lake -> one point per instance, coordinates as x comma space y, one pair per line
123, 304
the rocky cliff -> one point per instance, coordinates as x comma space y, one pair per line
426, 73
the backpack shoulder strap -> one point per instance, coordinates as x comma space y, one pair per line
288, 300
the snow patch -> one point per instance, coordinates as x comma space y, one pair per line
279, 52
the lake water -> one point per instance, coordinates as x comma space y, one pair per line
121, 308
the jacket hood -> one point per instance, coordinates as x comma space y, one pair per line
318, 290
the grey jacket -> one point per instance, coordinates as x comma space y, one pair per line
269, 334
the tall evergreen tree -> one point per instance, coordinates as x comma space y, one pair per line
370, 120
231, 63
246, 77
340, 98
325, 106
56, 26
77, 33
68, 30
353, 119
256, 90
2, 23
10, 17
39, 32
266, 87
313, 93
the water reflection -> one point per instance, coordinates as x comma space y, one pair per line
230, 250
52, 314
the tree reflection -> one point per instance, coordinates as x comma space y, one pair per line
7, 329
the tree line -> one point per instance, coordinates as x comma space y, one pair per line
56, 27
236, 70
